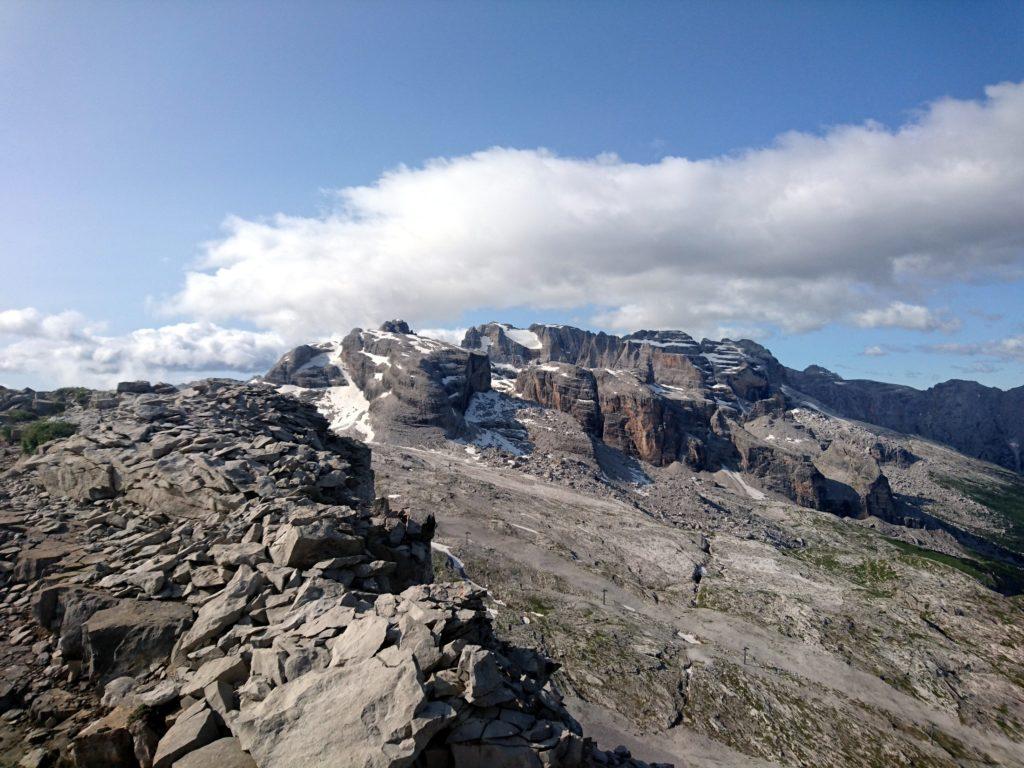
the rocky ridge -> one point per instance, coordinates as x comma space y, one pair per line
982, 422
388, 382
202, 577
663, 397
658, 396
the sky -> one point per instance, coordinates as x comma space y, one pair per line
189, 188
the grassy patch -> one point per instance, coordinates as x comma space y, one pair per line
66, 395
1005, 498
822, 558
875, 576
992, 573
40, 432
18, 416
537, 604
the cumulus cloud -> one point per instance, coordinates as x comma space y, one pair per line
858, 224
65, 349
1009, 348
32, 323
910, 316
875, 351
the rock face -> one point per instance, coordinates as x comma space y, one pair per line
669, 358
859, 471
431, 382
307, 366
504, 344
793, 476
980, 421
567, 388
238, 598
663, 397
387, 383
659, 396
662, 423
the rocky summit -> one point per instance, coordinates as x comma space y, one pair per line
203, 578
542, 547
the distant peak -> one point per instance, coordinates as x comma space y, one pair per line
395, 326
817, 370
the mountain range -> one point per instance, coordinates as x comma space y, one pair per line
543, 546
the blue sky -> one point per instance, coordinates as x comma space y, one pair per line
130, 131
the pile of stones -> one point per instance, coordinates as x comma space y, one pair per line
203, 578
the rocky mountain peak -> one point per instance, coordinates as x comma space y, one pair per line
824, 373
395, 326
378, 382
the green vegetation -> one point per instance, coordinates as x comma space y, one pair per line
537, 604
11, 419
1005, 498
18, 416
970, 567
822, 558
79, 395
993, 574
874, 575
40, 432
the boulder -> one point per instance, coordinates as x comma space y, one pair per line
54, 704
64, 609
485, 683
195, 727
229, 669
373, 719
223, 610
360, 640
79, 478
33, 562
222, 753
127, 637
105, 743
302, 546
244, 553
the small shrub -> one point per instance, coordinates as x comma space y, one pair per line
18, 415
66, 395
43, 432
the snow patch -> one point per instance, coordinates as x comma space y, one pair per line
750, 490
377, 359
524, 338
348, 410
524, 528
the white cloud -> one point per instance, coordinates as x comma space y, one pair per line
64, 349
850, 226
875, 351
860, 225
32, 323
910, 316
1009, 348
449, 335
